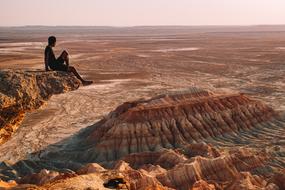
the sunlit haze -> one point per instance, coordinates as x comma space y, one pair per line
141, 12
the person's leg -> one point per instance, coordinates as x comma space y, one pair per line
74, 71
65, 56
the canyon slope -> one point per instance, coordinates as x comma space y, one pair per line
191, 139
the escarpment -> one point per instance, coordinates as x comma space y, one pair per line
170, 121
22, 91
167, 169
223, 169
185, 140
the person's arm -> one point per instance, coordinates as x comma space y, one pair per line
67, 61
46, 64
46, 61
66, 55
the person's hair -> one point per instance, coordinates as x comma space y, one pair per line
51, 40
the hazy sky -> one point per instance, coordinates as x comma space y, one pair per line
141, 12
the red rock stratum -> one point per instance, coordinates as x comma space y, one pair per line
170, 121
185, 140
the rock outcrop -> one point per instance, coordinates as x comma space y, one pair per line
22, 91
7, 185
169, 121
231, 170
223, 169
189, 140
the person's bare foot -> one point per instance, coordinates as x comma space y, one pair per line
87, 82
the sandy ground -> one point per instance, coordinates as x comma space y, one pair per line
140, 65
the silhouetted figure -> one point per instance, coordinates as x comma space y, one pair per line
61, 63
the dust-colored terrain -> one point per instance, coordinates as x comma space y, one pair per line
23, 91
128, 64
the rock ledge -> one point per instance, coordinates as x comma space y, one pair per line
22, 91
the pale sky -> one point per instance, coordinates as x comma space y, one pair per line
141, 12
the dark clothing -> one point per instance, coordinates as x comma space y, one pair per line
56, 64
49, 55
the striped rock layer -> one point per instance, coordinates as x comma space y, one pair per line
187, 140
169, 121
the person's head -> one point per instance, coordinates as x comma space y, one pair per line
52, 41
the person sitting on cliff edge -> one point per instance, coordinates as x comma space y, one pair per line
61, 63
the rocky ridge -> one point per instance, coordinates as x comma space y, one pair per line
22, 91
168, 169
186, 140
166, 122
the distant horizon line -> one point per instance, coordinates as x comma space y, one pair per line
132, 26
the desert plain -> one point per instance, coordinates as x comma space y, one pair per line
133, 63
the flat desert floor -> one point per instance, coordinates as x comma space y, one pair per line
131, 63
